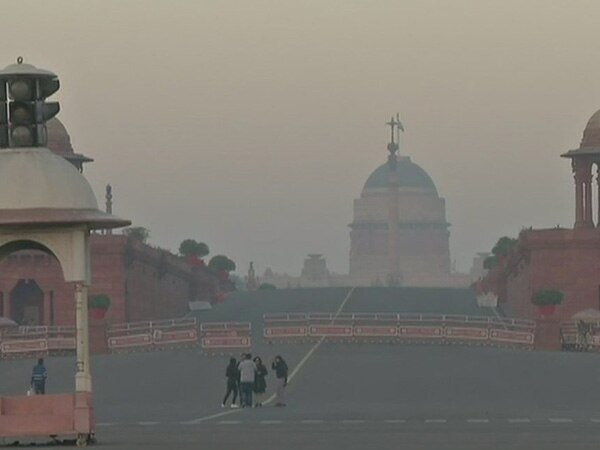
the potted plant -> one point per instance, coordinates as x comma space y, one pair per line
98, 305
546, 300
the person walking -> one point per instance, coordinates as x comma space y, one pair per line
260, 383
232, 375
247, 375
281, 372
38, 377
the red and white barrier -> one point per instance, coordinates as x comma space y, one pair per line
211, 343
466, 333
11, 347
285, 332
130, 341
175, 337
421, 332
330, 331
513, 337
375, 331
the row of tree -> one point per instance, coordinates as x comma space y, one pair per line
189, 249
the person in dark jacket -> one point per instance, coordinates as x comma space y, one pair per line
281, 372
233, 376
260, 383
38, 377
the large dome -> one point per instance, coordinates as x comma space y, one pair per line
38, 178
410, 175
37, 186
591, 134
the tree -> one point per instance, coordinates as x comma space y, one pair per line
504, 246
221, 263
140, 234
191, 247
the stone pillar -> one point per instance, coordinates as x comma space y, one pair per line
583, 193
598, 184
83, 378
393, 224
587, 207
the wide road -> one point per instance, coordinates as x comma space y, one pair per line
344, 396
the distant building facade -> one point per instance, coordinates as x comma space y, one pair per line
399, 235
567, 260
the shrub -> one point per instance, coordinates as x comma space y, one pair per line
99, 301
267, 287
547, 297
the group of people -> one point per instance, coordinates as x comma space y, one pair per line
248, 377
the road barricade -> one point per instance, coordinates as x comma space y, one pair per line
278, 332
420, 333
466, 333
225, 337
330, 331
152, 335
511, 336
28, 341
375, 331
15, 348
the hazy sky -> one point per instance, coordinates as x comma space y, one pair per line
252, 125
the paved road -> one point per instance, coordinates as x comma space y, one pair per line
350, 396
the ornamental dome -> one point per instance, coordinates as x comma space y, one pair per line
591, 134
59, 142
38, 186
410, 175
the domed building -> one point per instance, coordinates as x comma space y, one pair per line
558, 258
399, 235
143, 283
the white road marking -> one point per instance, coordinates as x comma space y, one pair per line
148, 423
271, 422
561, 420
478, 420
395, 421
230, 422
316, 346
595, 420
213, 416
311, 421
435, 421
519, 420
292, 375
353, 421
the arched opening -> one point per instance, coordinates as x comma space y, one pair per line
24, 299
27, 303
22, 244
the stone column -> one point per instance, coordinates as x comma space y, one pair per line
583, 194
83, 378
587, 208
598, 183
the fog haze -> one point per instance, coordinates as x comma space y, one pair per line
252, 126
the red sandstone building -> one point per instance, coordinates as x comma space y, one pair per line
143, 283
563, 259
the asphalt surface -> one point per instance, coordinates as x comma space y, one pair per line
342, 396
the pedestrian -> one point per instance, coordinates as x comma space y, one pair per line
247, 375
38, 377
260, 383
232, 375
281, 373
